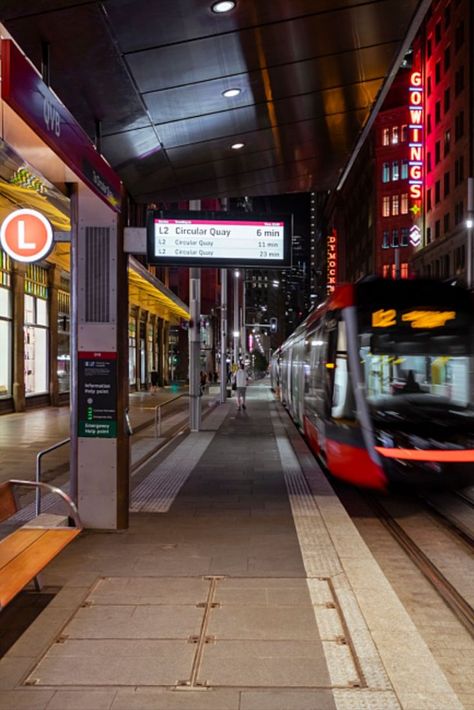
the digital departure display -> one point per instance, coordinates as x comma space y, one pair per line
417, 318
219, 239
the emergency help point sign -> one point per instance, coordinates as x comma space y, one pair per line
26, 236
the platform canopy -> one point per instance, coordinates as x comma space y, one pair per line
149, 76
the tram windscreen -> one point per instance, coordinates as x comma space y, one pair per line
409, 347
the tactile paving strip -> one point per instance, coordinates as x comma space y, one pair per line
156, 493
335, 606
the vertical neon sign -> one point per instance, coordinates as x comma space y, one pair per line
331, 262
415, 162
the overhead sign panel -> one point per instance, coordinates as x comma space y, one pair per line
219, 239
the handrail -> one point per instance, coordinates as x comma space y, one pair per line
158, 412
39, 456
52, 489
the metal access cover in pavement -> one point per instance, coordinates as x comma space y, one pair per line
189, 633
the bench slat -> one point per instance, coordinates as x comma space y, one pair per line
16, 542
16, 574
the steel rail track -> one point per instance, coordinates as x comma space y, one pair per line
455, 601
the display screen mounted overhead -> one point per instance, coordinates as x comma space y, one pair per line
219, 239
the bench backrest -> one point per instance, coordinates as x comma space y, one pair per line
8, 505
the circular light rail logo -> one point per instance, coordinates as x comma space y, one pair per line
26, 235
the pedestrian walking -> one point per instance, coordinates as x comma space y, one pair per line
241, 382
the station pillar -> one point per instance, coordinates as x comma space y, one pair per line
99, 349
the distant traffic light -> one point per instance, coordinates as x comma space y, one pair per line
273, 325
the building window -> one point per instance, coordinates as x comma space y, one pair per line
428, 162
429, 47
404, 203
395, 170
386, 172
36, 345
437, 112
459, 81
447, 16
437, 72
386, 206
395, 204
404, 236
447, 142
438, 32
132, 350
428, 123
404, 170
404, 270
437, 152
447, 185
447, 58
64, 348
428, 235
386, 136
386, 240
387, 268
458, 170
5, 338
447, 99
459, 36
428, 86
395, 135
458, 212
394, 237
404, 133
446, 221
428, 199
437, 191
459, 126
437, 229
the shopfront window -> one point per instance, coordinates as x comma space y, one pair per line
64, 347
151, 359
36, 345
6, 341
132, 350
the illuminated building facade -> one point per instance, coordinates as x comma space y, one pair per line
445, 47
393, 137
402, 209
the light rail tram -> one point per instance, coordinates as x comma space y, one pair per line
380, 379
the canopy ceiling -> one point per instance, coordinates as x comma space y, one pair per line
153, 73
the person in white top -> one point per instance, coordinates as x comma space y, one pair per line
241, 381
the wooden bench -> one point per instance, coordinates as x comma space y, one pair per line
25, 552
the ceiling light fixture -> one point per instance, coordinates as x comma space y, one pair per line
237, 146
230, 93
223, 6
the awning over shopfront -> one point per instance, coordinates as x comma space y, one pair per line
144, 289
148, 292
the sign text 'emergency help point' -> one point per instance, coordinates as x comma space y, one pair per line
26, 236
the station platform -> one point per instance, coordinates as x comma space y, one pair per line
241, 584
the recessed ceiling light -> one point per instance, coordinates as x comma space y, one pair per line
237, 146
223, 6
229, 93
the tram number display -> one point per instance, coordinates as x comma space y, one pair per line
415, 318
230, 240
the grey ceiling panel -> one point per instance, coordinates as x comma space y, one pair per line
308, 76
152, 73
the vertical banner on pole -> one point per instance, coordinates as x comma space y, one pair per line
223, 335
194, 349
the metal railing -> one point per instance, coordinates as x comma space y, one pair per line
39, 457
158, 412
